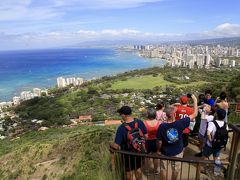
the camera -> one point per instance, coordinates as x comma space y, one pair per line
189, 95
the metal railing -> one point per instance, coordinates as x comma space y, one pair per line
234, 155
123, 161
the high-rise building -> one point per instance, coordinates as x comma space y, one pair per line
238, 53
225, 62
232, 63
207, 59
70, 80
206, 49
16, 100
26, 95
78, 81
61, 82
218, 62
200, 60
37, 92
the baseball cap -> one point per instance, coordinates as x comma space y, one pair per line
126, 110
184, 99
221, 114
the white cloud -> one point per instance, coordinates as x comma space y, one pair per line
26, 10
222, 30
227, 29
56, 39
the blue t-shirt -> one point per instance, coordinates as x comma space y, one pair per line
171, 136
209, 101
121, 135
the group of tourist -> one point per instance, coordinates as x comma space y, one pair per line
166, 130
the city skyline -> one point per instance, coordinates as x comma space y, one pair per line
30, 24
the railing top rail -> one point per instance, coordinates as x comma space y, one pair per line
233, 103
187, 160
235, 127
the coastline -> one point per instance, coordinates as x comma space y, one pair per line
107, 64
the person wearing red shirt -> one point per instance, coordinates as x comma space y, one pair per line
152, 125
183, 110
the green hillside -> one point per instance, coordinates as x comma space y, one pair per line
101, 98
82, 152
59, 153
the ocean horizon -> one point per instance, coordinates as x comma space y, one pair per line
23, 70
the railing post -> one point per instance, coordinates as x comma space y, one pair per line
234, 156
198, 171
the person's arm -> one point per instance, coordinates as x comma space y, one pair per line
209, 136
115, 146
159, 145
200, 106
210, 130
159, 139
205, 111
143, 128
203, 114
118, 138
113, 161
195, 108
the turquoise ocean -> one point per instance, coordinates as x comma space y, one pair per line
24, 70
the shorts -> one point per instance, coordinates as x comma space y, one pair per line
176, 165
202, 138
185, 139
151, 146
132, 162
208, 151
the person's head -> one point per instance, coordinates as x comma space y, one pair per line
221, 114
210, 110
184, 100
151, 114
170, 112
207, 108
124, 112
208, 94
159, 105
223, 96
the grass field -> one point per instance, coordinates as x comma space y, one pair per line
148, 82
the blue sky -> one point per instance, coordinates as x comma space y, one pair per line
36, 24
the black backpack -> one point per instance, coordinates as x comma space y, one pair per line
221, 136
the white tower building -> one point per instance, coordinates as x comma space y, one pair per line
36, 92
61, 82
16, 100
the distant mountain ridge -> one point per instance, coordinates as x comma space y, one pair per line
230, 41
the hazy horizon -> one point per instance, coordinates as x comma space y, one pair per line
32, 24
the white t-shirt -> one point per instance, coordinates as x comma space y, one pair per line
203, 124
212, 129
